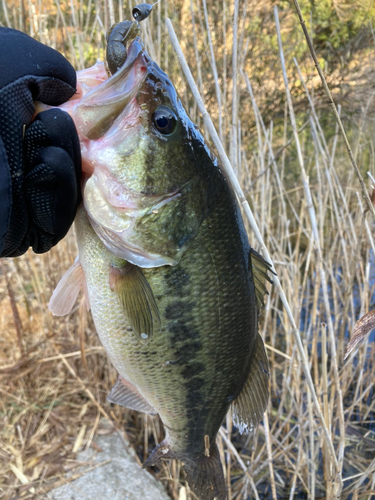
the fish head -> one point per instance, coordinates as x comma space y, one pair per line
164, 160
146, 197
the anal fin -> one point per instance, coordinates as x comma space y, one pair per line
125, 394
251, 403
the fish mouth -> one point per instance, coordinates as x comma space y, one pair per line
99, 108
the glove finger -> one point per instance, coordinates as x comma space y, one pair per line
48, 90
53, 128
51, 194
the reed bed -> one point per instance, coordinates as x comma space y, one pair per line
54, 373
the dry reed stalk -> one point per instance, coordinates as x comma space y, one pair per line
76, 29
352, 275
73, 53
88, 392
5, 9
294, 480
305, 181
327, 462
214, 69
269, 453
239, 460
16, 316
312, 446
149, 43
224, 76
111, 8
229, 427
197, 58
242, 37
334, 109
259, 122
233, 144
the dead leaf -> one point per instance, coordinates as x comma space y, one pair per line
362, 327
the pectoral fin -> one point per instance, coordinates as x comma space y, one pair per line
65, 294
137, 299
260, 269
125, 394
251, 403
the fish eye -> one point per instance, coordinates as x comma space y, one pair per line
164, 120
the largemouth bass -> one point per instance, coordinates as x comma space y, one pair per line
173, 284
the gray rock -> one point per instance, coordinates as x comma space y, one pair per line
121, 479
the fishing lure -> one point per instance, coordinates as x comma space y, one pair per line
121, 34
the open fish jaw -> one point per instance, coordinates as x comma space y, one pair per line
98, 109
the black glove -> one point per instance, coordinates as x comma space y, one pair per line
40, 162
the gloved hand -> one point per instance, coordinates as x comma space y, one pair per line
40, 161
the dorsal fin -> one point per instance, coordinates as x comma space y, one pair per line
260, 268
137, 300
125, 394
251, 403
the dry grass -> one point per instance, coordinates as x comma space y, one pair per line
55, 376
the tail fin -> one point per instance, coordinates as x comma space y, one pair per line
205, 476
